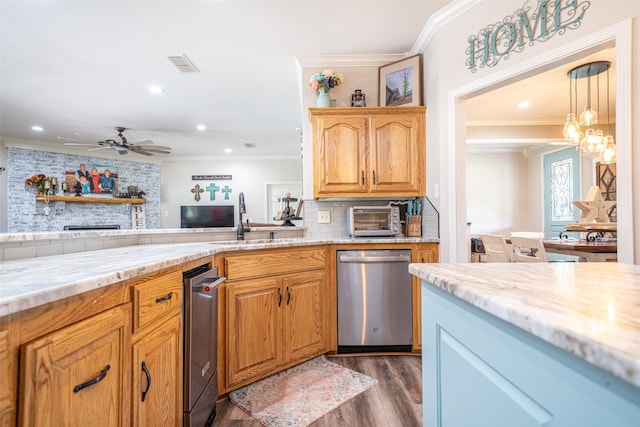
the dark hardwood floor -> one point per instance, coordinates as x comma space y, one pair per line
396, 401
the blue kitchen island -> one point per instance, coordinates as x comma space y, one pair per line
517, 345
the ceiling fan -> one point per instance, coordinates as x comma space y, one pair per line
123, 146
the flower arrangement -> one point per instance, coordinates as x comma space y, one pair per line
39, 181
327, 79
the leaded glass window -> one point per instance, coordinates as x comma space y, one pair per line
562, 190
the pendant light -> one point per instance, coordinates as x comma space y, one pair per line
609, 152
593, 140
571, 131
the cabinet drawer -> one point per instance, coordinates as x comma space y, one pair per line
154, 298
274, 263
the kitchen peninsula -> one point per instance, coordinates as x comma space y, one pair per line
531, 344
67, 312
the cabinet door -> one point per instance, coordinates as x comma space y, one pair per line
7, 381
427, 253
397, 153
305, 332
340, 156
157, 373
254, 328
79, 375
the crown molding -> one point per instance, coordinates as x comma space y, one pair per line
438, 19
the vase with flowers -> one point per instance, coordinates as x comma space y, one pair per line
40, 181
322, 83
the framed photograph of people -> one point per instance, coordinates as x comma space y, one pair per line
92, 179
400, 82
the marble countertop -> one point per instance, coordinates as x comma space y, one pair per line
591, 310
27, 283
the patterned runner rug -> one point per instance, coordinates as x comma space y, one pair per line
301, 394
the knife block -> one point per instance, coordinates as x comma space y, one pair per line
414, 225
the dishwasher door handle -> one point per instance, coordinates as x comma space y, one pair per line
372, 259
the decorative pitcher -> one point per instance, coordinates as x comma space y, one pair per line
324, 100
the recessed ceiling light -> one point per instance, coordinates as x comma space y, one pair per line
37, 128
201, 127
228, 150
157, 90
524, 104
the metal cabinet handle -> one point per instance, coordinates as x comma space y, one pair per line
288, 295
93, 381
362, 174
164, 298
374, 176
280, 295
146, 372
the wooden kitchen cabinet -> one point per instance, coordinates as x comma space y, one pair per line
157, 375
6, 393
424, 253
157, 351
276, 312
78, 375
369, 152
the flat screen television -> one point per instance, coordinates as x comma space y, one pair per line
206, 216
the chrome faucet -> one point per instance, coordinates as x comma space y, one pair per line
242, 209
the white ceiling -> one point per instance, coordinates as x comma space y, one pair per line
81, 68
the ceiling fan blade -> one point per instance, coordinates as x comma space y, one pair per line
97, 148
151, 150
84, 144
159, 147
140, 142
71, 139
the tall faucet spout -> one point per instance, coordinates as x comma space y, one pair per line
242, 209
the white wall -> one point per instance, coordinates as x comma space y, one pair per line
498, 193
249, 175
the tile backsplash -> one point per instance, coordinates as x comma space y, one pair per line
337, 209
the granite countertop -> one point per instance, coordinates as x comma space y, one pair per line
587, 309
27, 283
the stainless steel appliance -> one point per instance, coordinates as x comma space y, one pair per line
200, 345
374, 301
363, 221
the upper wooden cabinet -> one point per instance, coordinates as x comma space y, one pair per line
369, 152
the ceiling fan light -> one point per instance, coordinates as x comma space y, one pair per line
571, 130
588, 117
609, 153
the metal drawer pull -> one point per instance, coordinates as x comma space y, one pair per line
146, 372
374, 176
280, 295
362, 174
288, 295
373, 259
165, 298
93, 381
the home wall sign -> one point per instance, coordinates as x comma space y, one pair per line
211, 177
526, 26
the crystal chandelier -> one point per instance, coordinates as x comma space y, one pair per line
592, 140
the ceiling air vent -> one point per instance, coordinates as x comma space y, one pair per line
184, 64
250, 145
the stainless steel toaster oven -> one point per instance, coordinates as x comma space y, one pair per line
363, 221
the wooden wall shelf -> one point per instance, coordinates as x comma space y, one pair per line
86, 199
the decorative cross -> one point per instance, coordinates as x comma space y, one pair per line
226, 190
197, 190
212, 188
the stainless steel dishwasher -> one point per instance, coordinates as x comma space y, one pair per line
374, 301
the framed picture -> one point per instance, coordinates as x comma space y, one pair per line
400, 83
92, 179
